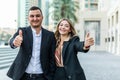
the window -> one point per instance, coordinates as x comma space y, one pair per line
94, 28
108, 23
112, 20
93, 6
109, 39
113, 38
106, 40
117, 17
86, 5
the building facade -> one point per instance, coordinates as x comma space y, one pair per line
23, 7
113, 17
98, 17
93, 20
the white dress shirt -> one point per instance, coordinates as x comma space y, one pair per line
34, 66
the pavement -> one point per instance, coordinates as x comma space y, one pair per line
3, 75
100, 65
96, 65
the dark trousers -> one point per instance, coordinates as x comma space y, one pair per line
27, 76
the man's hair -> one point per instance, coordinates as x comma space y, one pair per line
35, 8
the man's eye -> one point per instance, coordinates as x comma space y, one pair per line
31, 15
37, 15
34, 16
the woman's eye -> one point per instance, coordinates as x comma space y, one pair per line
66, 26
61, 25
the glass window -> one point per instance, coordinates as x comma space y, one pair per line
93, 6
86, 5
91, 0
94, 28
116, 17
112, 20
108, 23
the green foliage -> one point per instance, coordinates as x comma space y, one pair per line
64, 9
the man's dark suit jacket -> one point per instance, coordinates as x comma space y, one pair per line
22, 60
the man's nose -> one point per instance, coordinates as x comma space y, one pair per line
34, 17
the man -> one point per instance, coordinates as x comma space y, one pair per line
35, 59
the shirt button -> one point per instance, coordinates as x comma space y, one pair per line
69, 77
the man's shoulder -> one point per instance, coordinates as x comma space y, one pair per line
24, 28
47, 31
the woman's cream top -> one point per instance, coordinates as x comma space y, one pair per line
58, 56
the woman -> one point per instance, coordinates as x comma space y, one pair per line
68, 44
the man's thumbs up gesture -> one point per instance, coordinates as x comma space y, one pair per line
88, 41
18, 39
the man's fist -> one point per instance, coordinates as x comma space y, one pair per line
18, 39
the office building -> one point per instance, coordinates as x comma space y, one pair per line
23, 7
93, 20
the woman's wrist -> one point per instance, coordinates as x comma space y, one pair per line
86, 47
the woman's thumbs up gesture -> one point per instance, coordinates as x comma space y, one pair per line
18, 39
88, 41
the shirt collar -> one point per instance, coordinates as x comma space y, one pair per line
34, 32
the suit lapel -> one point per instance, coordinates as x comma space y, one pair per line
64, 49
43, 40
30, 36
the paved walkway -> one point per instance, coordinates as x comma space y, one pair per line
7, 56
100, 66
96, 65
3, 75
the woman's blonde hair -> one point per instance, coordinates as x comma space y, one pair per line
57, 34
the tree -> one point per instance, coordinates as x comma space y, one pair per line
64, 9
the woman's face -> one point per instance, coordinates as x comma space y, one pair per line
64, 28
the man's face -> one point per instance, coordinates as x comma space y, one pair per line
35, 18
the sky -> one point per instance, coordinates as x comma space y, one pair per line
8, 13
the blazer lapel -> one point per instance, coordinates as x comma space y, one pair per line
30, 37
43, 40
64, 49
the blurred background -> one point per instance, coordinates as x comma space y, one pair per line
99, 17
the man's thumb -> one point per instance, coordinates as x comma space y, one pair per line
20, 33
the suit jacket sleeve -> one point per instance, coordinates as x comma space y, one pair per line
79, 46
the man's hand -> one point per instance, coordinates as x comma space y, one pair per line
18, 39
88, 41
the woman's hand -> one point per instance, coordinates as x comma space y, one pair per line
89, 41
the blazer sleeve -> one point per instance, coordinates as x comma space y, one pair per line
79, 46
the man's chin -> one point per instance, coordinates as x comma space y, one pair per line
35, 26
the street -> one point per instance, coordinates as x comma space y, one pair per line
100, 65
96, 65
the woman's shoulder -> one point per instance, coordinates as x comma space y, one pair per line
74, 38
